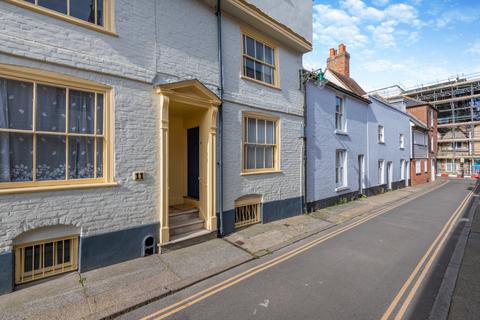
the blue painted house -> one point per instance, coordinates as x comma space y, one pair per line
355, 143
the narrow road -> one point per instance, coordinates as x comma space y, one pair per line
368, 270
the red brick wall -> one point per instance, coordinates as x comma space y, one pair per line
423, 114
423, 177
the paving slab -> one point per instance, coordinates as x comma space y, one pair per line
261, 239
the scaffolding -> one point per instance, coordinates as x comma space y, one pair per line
458, 104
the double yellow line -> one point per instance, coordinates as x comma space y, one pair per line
199, 296
423, 267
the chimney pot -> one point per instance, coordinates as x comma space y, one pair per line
339, 61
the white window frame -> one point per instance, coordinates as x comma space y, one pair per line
340, 117
341, 169
431, 118
402, 141
425, 166
381, 172
402, 169
381, 134
431, 143
418, 167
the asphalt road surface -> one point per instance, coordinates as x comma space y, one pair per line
357, 272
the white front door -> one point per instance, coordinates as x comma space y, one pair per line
389, 175
433, 170
361, 173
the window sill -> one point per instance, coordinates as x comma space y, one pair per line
251, 173
261, 82
402, 148
381, 142
342, 189
58, 188
61, 16
341, 132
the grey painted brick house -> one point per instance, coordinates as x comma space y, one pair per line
356, 144
118, 130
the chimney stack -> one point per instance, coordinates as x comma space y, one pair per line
339, 61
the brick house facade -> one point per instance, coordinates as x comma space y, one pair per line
424, 121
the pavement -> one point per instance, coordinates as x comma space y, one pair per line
354, 274
114, 290
465, 302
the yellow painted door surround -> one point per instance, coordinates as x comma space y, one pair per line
193, 103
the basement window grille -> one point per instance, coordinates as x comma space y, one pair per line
42, 259
247, 212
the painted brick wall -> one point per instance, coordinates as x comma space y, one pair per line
289, 99
322, 142
296, 14
130, 63
395, 123
285, 103
274, 186
131, 54
97, 210
186, 49
187, 42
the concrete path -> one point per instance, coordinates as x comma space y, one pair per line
349, 272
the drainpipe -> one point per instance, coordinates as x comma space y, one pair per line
220, 111
305, 186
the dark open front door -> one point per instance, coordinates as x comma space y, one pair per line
193, 145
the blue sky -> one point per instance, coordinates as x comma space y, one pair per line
407, 42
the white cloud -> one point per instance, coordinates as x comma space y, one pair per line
380, 3
383, 34
401, 12
448, 18
383, 65
355, 23
361, 10
332, 26
474, 48
412, 73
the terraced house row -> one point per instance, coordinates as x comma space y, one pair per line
132, 127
